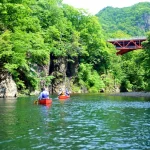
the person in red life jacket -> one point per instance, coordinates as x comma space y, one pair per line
44, 94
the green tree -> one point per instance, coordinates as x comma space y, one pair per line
146, 60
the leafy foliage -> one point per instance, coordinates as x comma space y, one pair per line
31, 31
130, 20
89, 78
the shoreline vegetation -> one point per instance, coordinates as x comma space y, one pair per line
132, 94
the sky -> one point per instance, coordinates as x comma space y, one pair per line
94, 6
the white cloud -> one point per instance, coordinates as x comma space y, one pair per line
94, 6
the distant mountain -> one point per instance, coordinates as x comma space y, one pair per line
133, 21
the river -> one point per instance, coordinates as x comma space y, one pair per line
83, 122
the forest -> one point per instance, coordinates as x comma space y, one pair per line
48, 43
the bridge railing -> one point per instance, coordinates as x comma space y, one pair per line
130, 38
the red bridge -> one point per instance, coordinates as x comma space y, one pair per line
126, 45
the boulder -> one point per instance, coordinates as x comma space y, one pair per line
8, 87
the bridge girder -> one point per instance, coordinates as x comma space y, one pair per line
126, 45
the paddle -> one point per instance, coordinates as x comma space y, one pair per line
36, 102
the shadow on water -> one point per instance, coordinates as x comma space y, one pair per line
84, 121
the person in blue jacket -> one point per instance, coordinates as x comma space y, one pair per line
44, 94
67, 92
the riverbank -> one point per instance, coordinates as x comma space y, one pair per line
133, 94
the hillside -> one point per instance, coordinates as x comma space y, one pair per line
133, 21
49, 44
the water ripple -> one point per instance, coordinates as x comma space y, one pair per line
83, 122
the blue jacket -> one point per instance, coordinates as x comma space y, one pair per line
43, 95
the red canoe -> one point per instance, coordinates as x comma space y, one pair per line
64, 96
45, 101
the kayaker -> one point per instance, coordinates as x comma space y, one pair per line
44, 94
61, 92
67, 92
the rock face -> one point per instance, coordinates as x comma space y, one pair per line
8, 88
63, 71
58, 70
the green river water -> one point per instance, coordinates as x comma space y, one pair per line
83, 122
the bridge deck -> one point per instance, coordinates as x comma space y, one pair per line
127, 45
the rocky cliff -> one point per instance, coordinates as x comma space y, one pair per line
8, 87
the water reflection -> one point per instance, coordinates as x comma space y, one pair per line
47, 106
81, 122
62, 101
